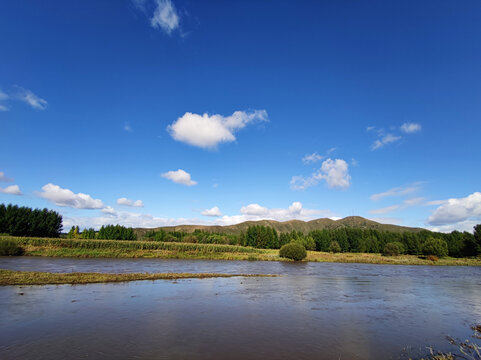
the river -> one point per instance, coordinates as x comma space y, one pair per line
312, 311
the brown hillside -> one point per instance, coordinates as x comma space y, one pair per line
287, 226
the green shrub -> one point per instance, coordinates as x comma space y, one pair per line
10, 248
293, 251
393, 249
334, 247
434, 246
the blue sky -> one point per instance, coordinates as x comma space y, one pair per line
161, 112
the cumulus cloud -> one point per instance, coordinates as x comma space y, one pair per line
334, 172
180, 177
251, 212
215, 211
30, 98
127, 202
109, 210
410, 128
4, 178
165, 16
66, 197
207, 131
11, 190
457, 210
398, 191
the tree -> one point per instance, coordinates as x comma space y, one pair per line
435, 246
335, 247
477, 237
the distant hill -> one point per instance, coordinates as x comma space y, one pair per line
356, 222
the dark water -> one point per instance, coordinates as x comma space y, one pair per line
313, 311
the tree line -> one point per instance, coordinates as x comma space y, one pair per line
25, 221
107, 232
459, 244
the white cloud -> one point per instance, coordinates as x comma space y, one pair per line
335, 172
315, 157
165, 16
384, 140
457, 210
4, 178
466, 225
65, 197
414, 201
312, 158
215, 211
11, 190
398, 191
294, 211
207, 131
30, 98
385, 210
406, 203
128, 128
410, 128
109, 210
254, 209
127, 202
3, 97
180, 177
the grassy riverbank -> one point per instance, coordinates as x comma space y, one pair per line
9, 277
172, 250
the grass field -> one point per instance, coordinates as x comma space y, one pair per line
9, 277
171, 250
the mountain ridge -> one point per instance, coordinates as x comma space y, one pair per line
356, 222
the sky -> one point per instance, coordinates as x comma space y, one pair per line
151, 113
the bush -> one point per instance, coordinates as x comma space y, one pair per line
393, 249
437, 247
293, 251
10, 248
334, 247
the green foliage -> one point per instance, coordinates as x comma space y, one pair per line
263, 237
24, 221
294, 251
10, 248
393, 249
88, 234
132, 245
477, 238
334, 247
435, 246
116, 232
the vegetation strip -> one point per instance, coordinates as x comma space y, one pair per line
10, 277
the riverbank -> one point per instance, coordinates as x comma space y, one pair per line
170, 250
10, 277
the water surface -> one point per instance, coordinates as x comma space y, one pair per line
313, 311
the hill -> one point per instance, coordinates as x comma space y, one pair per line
287, 226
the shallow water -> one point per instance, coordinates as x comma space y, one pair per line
313, 311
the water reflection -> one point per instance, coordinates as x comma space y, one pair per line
314, 311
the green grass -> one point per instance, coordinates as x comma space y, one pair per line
9, 277
171, 250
